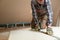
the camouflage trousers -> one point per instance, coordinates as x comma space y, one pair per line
42, 22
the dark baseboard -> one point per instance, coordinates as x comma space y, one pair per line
21, 24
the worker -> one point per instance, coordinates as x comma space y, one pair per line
41, 14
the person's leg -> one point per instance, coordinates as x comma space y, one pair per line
44, 21
32, 24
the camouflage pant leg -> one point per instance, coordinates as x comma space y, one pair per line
34, 26
44, 21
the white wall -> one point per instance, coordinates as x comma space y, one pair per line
56, 8
12, 11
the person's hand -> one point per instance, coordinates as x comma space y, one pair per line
49, 25
36, 26
44, 26
42, 11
